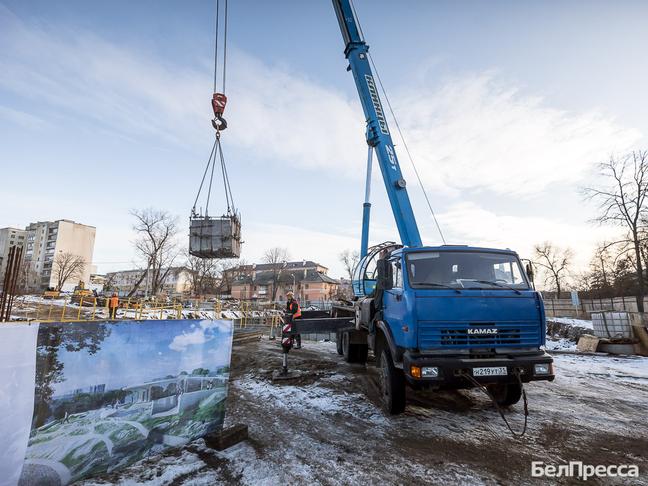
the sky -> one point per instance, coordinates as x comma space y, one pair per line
507, 108
176, 347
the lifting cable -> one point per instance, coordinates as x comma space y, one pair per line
219, 100
472, 380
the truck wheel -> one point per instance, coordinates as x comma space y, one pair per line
338, 343
346, 352
348, 349
506, 394
362, 351
353, 352
392, 385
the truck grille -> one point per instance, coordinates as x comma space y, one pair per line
444, 335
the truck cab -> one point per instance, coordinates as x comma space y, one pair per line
450, 317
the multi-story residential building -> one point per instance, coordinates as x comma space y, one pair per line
47, 239
9, 237
307, 279
233, 274
177, 281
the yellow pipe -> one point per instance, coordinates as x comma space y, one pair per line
80, 305
94, 307
63, 311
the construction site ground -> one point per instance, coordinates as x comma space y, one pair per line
326, 427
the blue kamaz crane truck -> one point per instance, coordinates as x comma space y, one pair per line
445, 316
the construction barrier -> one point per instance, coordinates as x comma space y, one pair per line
85, 398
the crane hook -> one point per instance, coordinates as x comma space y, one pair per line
219, 123
219, 100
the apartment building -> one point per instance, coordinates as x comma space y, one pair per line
47, 239
9, 237
178, 281
307, 279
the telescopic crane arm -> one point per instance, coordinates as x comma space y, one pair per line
378, 134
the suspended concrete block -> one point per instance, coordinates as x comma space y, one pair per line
215, 237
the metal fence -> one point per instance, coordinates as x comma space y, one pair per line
585, 307
88, 309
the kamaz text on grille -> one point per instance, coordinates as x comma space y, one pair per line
483, 331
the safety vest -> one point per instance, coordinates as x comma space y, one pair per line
113, 302
289, 306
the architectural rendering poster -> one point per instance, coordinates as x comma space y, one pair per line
102, 395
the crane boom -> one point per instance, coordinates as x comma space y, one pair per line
378, 134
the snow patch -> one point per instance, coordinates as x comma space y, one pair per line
572, 322
561, 344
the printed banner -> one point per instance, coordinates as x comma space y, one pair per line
81, 399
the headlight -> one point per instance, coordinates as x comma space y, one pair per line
542, 369
430, 372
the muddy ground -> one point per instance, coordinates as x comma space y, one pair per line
326, 427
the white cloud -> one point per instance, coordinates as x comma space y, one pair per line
20, 118
474, 225
183, 341
223, 327
468, 132
476, 132
207, 331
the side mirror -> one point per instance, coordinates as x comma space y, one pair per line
387, 282
529, 271
385, 276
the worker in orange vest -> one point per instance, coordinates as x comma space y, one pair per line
292, 307
113, 303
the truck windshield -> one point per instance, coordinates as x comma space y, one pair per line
465, 270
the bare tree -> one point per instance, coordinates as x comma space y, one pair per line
110, 282
228, 273
156, 244
66, 266
622, 203
137, 284
602, 272
204, 273
555, 262
349, 259
276, 257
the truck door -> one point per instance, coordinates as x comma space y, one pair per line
395, 304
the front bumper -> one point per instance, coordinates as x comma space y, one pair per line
452, 368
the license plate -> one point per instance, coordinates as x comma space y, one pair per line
490, 371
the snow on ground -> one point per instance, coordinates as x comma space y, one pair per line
326, 428
631, 369
572, 322
561, 344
